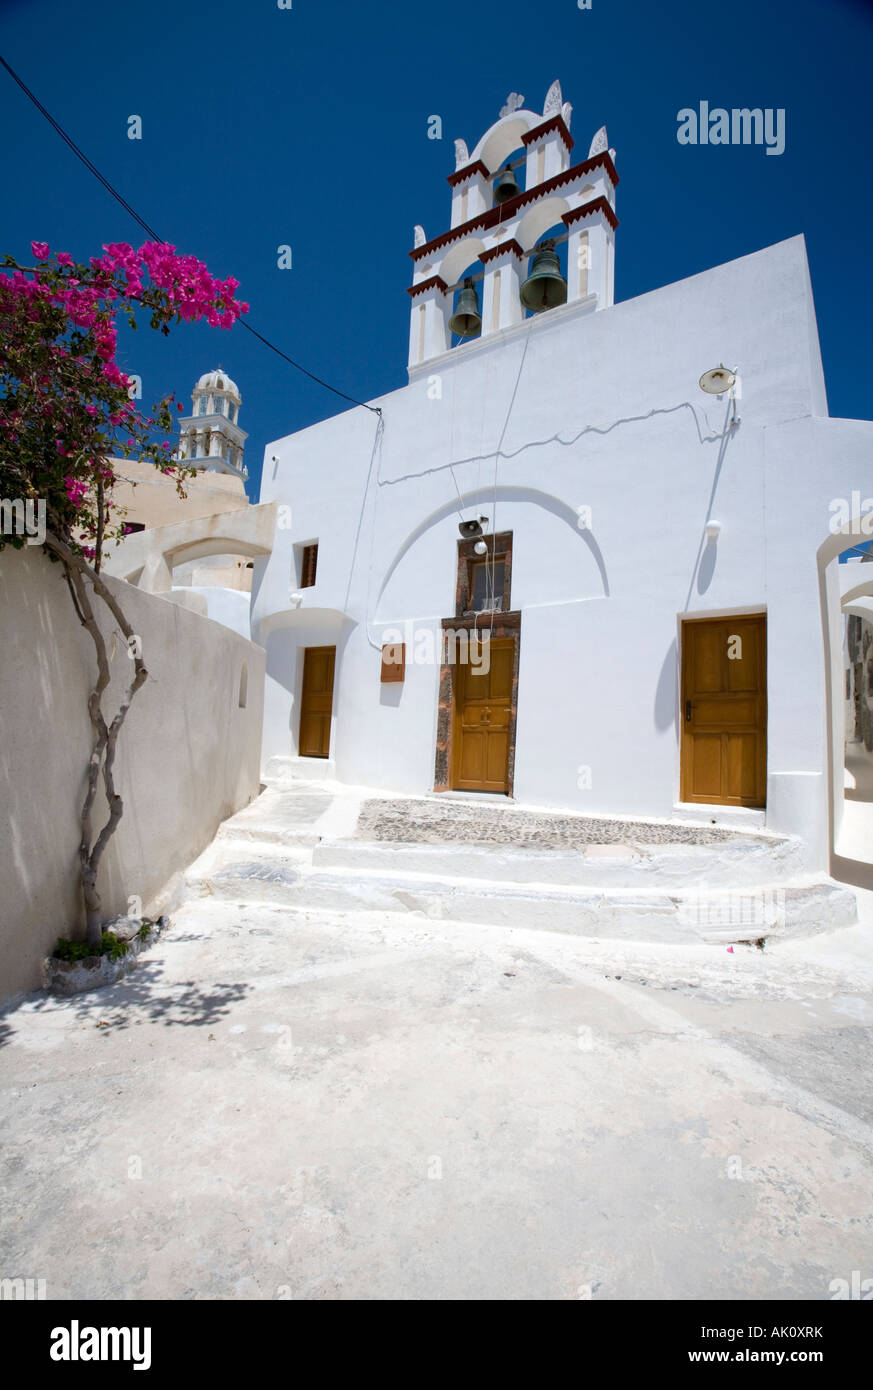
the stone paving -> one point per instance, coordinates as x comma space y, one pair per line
280, 1103
439, 822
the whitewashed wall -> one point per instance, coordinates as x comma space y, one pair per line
187, 754
598, 683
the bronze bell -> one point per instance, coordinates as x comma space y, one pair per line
466, 321
545, 287
505, 186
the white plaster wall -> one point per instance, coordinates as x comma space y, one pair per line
600, 411
187, 754
230, 607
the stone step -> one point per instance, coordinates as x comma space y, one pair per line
290, 814
693, 914
740, 862
279, 770
293, 806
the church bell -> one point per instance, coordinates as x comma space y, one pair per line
505, 186
466, 321
545, 287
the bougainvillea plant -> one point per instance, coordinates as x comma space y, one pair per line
66, 417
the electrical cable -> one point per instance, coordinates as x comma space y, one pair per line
92, 168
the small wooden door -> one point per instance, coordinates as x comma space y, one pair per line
316, 702
483, 718
724, 711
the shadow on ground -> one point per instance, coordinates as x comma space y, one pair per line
141, 997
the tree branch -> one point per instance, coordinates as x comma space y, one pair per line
105, 736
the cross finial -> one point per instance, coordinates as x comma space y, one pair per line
513, 102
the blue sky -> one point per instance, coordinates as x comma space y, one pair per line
309, 127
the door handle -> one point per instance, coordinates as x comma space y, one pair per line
687, 711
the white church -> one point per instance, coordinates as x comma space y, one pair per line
587, 558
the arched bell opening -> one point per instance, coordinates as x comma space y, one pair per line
508, 178
503, 141
545, 285
465, 320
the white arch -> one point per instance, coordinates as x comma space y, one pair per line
833, 607
504, 137
859, 591
510, 492
539, 218
459, 256
860, 608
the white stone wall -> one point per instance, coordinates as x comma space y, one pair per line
187, 754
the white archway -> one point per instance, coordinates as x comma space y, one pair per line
850, 818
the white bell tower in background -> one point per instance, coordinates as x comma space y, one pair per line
211, 436
503, 235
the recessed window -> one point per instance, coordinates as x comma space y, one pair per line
487, 585
308, 565
484, 581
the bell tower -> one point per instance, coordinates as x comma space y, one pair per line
211, 436
502, 226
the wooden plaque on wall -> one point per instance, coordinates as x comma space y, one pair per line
393, 662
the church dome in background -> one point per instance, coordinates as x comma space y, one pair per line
218, 380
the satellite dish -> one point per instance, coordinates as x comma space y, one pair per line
718, 380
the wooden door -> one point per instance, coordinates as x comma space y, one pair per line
724, 711
483, 718
316, 702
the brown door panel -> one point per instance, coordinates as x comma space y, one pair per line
482, 720
724, 711
705, 771
316, 702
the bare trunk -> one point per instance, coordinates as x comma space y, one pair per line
101, 762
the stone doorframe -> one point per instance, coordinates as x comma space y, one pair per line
505, 625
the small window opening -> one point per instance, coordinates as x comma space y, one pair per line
309, 564
487, 586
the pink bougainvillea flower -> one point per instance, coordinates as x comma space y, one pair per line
76, 489
64, 258
40, 250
